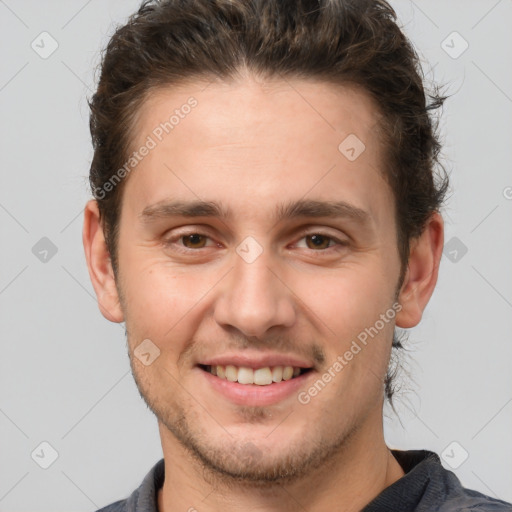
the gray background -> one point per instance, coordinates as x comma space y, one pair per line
64, 371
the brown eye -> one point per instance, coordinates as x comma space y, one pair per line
317, 241
194, 241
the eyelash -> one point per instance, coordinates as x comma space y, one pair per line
168, 243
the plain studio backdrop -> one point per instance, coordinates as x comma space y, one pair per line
66, 389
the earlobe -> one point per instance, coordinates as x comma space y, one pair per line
99, 264
422, 271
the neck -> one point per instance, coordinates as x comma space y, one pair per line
351, 478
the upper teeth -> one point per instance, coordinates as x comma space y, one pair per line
260, 376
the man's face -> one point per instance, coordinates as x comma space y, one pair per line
253, 288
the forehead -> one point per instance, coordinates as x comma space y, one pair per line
250, 139
299, 103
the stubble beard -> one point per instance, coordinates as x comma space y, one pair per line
241, 462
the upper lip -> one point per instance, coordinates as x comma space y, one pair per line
256, 361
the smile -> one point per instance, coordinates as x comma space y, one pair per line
260, 376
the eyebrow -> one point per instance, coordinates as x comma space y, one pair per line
284, 211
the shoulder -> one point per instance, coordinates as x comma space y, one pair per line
457, 498
474, 501
118, 506
438, 488
144, 498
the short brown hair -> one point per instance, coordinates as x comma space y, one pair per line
355, 42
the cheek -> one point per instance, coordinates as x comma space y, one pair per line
160, 303
346, 300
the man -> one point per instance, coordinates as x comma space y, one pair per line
265, 214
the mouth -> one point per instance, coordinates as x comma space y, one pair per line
257, 387
263, 376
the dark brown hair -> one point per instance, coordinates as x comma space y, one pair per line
356, 42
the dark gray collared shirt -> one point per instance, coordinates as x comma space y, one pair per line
426, 486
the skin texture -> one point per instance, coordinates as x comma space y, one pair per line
250, 146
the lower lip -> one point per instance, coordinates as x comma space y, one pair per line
253, 394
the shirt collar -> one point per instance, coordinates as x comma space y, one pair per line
421, 468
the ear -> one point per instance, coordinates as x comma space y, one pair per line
422, 271
99, 264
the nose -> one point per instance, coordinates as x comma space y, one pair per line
254, 298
